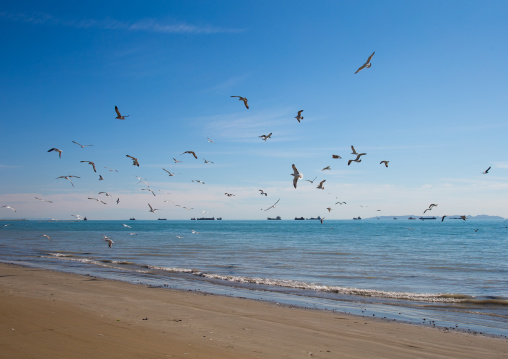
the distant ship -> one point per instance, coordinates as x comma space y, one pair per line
317, 218
411, 218
357, 218
219, 218
274, 219
299, 219
423, 218
204, 219
161, 219
132, 219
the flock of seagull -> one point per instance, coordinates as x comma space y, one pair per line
297, 175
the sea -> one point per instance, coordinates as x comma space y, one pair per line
450, 274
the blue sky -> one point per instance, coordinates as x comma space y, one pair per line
434, 104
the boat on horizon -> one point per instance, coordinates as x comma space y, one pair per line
357, 218
424, 218
315, 218
132, 219
299, 219
203, 219
161, 219
274, 219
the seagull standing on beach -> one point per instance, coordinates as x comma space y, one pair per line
119, 115
240, 98
299, 117
367, 64
296, 175
57, 150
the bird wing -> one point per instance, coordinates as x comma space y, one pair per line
117, 111
360, 68
354, 151
295, 171
370, 57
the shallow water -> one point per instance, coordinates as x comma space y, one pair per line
450, 274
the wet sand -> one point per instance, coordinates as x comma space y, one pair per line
46, 314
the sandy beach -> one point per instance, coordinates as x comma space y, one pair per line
46, 314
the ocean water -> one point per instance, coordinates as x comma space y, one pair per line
451, 274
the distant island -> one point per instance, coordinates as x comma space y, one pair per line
480, 216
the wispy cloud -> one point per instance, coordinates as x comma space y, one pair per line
148, 25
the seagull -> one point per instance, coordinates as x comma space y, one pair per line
90, 163
385, 162
329, 209
195, 232
357, 159
98, 200
111, 170
312, 180
68, 178
106, 193
148, 189
57, 150
265, 137
126, 225
109, 240
341, 203
48, 237
207, 161
240, 98
349, 162
367, 64
354, 151
486, 171
152, 209
442, 218
198, 181
336, 156
179, 237
6, 206
299, 116
40, 199
176, 161
296, 175
192, 153
273, 205
101, 178
119, 117
118, 200
82, 146
326, 168
170, 174
463, 217
209, 140
229, 194
78, 216
322, 219
263, 192
134, 160
320, 186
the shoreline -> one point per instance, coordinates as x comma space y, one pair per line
50, 314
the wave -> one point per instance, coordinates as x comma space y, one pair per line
287, 283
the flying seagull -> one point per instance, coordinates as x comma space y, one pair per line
90, 163
209, 140
320, 186
82, 146
119, 117
263, 192
42, 200
336, 156
206, 161
176, 161
486, 171
6, 206
134, 160
152, 209
109, 240
354, 151
169, 173
265, 137
57, 150
312, 180
299, 117
273, 205
69, 178
296, 175
192, 153
48, 237
385, 162
229, 194
240, 98
357, 160
367, 64
326, 168
199, 181
98, 200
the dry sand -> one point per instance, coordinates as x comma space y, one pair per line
46, 314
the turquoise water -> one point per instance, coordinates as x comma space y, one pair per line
450, 274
